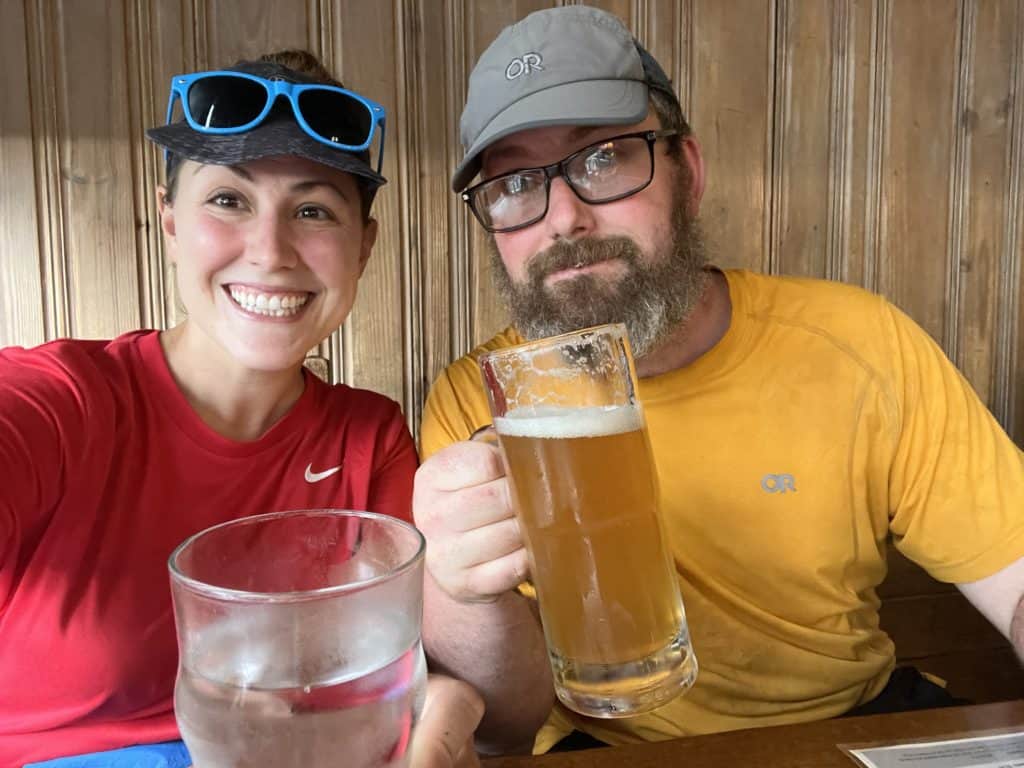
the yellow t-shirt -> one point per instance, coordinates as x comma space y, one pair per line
822, 421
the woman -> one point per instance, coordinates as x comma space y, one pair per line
113, 452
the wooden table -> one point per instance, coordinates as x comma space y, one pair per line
808, 745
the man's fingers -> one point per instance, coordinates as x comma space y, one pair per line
444, 735
464, 464
477, 546
462, 504
486, 434
496, 577
477, 506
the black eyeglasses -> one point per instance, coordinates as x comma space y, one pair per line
604, 172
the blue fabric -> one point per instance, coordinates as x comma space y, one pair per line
169, 754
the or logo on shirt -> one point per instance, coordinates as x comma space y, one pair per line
316, 477
778, 483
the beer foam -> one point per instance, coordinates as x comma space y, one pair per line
552, 421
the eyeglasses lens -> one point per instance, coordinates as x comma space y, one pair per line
509, 201
610, 170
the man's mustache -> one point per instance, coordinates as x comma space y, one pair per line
567, 254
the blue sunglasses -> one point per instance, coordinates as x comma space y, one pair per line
222, 102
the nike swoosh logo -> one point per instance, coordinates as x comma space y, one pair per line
316, 477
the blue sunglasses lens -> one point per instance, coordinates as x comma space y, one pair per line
220, 101
336, 117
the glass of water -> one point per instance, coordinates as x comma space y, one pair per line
299, 640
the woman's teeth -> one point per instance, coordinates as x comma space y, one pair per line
269, 304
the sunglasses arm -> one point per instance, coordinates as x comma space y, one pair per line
380, 155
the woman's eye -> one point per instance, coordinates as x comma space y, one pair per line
225, 200
314, 212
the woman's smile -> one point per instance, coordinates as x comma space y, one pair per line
264, 303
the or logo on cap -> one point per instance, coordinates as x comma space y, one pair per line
524, 65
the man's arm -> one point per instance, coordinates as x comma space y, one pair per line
475, 625
1000, 599
499, 648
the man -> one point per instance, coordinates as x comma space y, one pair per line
795, 424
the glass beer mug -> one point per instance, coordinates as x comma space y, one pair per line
299, 640
583, 482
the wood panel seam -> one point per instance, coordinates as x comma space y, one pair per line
1008, 352
774, 192
138, 21
840, 142
411, 220
874, 209
959, 181
459, 289
49, 190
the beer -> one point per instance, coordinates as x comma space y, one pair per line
586, 494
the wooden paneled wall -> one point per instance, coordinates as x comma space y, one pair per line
878, 142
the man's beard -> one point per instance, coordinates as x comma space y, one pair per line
653, 299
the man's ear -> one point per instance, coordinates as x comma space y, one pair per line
166, 211
695, 169
366, 247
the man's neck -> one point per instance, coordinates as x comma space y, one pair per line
704, 328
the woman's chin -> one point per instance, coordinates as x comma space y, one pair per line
268, 357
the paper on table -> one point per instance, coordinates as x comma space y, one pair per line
1003, 750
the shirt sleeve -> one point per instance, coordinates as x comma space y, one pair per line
39, 407
456, 407
956, 481
394, 470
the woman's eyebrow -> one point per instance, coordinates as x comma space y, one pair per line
306, 186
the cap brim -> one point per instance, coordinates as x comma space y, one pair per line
276, 137
588, 102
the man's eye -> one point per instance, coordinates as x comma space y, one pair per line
514, 185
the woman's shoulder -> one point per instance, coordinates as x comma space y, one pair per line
77, 352
76, 365
65, 397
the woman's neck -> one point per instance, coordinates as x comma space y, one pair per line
234, 401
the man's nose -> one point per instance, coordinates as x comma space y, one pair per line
568, 217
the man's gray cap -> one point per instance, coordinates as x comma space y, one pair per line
573, 65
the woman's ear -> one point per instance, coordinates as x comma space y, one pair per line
166, 212
366, 247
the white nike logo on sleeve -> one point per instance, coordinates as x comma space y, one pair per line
316, 477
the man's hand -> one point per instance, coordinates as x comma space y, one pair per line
461, 504
475, 624
444, 736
